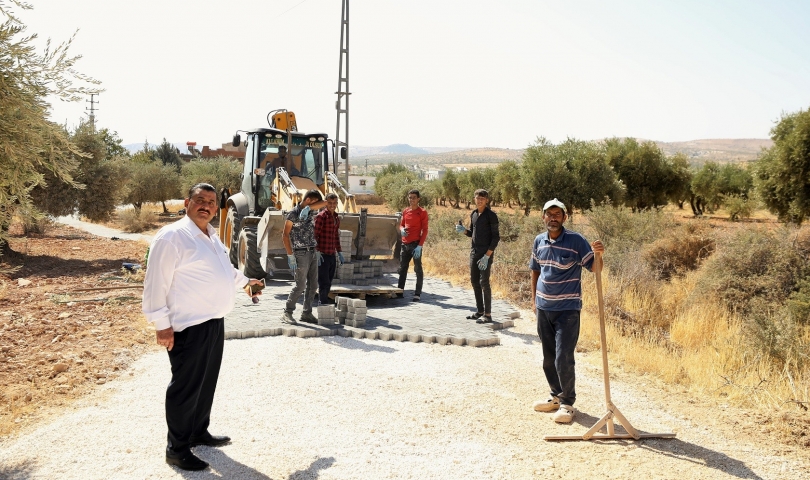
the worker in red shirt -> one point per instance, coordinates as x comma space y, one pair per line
327, 235
414, 229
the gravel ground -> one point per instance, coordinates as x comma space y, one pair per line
341, 408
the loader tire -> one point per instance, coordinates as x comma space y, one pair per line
249, 262
233, 222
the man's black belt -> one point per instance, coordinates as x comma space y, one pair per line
305, 249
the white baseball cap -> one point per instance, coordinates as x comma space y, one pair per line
554, 203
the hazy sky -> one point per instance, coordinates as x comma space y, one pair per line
460, 73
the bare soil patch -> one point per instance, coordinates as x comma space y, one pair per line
68, 320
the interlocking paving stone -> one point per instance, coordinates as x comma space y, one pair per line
438, 318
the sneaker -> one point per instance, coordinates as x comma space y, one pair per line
287, 317
308, 317
565, 414
415, 298
550, 405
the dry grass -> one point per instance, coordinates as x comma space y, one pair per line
673, 330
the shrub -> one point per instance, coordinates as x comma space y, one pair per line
680, 251
135, 221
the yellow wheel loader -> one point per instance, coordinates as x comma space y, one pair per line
281, 165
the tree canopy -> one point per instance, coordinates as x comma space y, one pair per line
31, 145
783, 171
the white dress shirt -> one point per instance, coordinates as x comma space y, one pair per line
189, 278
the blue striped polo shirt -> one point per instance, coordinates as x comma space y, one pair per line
560, 265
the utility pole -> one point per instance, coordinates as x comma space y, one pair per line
92, 110
342, 103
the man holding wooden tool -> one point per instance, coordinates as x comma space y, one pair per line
558, 256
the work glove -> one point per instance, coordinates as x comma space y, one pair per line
403, 231
417, 252
460, 229
482, 264
340, 258
304, 213
320, 257
292, 262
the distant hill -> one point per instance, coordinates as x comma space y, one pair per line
720, 150
698, 151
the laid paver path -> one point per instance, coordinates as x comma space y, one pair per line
439, 317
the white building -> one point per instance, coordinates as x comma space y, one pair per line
361, 184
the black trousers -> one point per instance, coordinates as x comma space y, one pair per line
195, 359
405, 256
326, 272
480, 281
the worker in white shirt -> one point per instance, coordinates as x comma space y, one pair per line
189, 287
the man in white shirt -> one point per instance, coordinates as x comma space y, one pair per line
189, 287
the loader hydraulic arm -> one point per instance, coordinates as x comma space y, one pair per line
349, 205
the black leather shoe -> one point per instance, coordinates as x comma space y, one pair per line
185, 460
210, 440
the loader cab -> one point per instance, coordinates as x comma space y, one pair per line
267, 149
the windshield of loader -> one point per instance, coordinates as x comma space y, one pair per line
303, 159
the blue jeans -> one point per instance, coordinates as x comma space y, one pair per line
559, 333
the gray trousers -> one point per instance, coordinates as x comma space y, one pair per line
306, 281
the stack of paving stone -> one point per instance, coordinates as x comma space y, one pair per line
351, 311
326, 315
346, 242
364, 272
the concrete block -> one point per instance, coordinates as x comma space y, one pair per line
343, 332
385, 335
288, 331
231, 334
513, 315
371, 334
476, 342
442, 339
305, 333
493, 341
457, 341
427, 338
360, 316
266, 332
325, 322
400, 336
414, 337
358, 310
358, 334
356, 302
342, 300
248, 334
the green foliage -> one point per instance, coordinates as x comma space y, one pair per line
738, 206
168, 154
393, 184
783, 171
150, 182
799, 302
102, 180
112, 144
450, 187
507, 182
220, 172
715, 184
679, 180
643, 169
31, 145
545, 175
574, 171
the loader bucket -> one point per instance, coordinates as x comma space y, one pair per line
382, 233
269, 241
